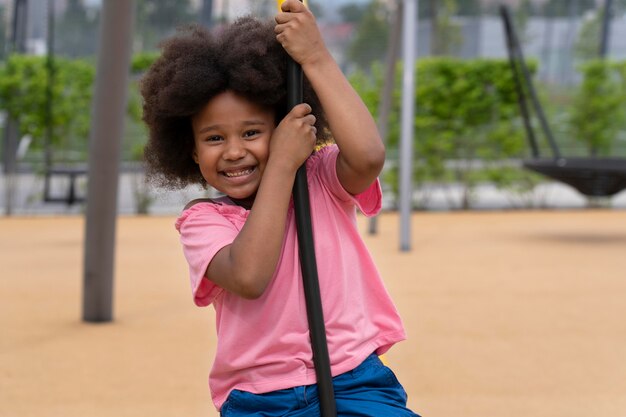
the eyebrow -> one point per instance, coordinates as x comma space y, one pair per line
245, 123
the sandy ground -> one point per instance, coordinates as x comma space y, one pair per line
508, 314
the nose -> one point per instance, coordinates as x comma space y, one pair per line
235, 149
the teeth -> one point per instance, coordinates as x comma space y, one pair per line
238, 173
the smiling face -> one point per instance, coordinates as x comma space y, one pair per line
232, 137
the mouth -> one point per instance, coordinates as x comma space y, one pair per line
238, 172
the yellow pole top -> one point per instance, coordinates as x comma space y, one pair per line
279, 2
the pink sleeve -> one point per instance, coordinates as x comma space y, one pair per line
203, 232
324, 164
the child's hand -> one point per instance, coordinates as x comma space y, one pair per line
294, 138
298, 33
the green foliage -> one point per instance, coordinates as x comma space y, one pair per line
466, 119
23, 84
23, 95
136, 132
140, 62
598, 112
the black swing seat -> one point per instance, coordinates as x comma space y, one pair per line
591, 176
594, 177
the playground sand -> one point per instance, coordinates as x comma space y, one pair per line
507, 313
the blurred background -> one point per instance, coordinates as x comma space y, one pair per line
469, 138
509, 311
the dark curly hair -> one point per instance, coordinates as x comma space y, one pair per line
196, 65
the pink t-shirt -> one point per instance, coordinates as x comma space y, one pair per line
263, 344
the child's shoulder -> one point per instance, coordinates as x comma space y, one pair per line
218, 201
197, 201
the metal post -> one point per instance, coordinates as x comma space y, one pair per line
11, 132
409, 26
109, 108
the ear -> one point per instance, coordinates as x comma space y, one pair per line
194, 155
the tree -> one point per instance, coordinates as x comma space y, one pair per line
23, 81
597, 114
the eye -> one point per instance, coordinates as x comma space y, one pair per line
251, 133
213, 138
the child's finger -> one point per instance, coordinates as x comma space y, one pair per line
292, 6
280, 28
301, 110
309, 119
282, 18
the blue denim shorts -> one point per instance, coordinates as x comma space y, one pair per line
371, 389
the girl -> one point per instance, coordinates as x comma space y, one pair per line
215, 107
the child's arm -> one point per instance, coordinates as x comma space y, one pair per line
246, 266
362, 153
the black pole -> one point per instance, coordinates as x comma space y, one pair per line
519, 88
519, 56
308, 264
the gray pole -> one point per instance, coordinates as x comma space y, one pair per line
606, 28
109, 108
390, 80
11, 132
407, 119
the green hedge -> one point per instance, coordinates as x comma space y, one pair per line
466, 123
23, 96
23, 89
598, 113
